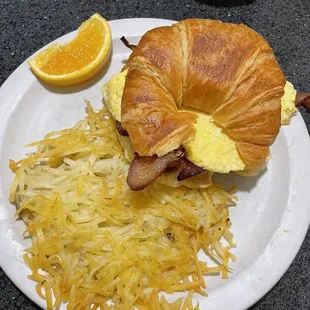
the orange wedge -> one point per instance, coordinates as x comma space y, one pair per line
78, 60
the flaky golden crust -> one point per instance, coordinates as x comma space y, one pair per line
150, 116
255, 157
226, 70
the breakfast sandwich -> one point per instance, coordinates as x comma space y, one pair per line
196, 98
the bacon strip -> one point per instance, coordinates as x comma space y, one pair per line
303, 99
188, 169
127, 44
121, 130
144, 170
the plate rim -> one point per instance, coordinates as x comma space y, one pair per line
124, 27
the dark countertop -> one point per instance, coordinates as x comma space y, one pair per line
27, 25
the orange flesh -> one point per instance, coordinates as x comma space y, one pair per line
78, 53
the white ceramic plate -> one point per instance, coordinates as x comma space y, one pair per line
269, 222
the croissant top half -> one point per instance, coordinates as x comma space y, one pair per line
226, 70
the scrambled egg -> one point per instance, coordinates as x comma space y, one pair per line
112, 94
211, 148
288, 108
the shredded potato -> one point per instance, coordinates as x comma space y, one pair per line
98, 245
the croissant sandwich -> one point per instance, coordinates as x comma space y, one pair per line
198, 97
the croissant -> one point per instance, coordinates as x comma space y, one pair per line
225, 70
